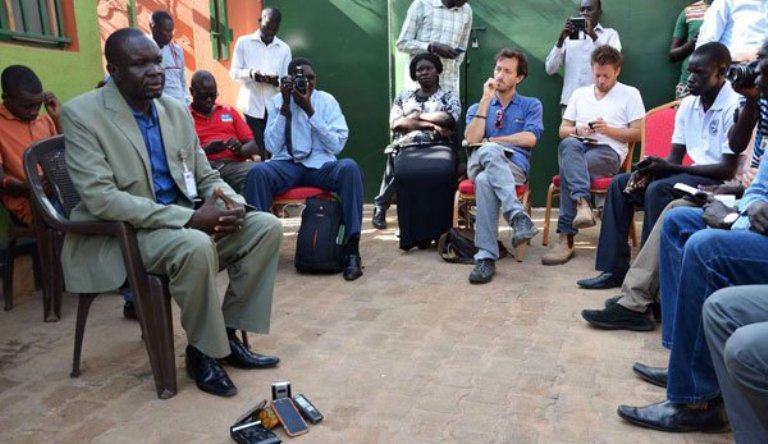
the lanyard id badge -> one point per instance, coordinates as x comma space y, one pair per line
189, 177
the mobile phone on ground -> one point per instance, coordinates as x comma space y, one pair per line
290, 418
307, 409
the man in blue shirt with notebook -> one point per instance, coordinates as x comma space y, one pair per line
508, 126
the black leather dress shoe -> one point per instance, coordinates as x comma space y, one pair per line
241, 357
652, 375
603, 280
208, 374
655, 307
354, 268
618, 317
379, 218
671, 417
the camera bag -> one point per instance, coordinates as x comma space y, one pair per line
319, 246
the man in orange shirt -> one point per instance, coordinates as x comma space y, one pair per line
21, 124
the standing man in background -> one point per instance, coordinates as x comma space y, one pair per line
260, 60
441, 27
738, 24
684, 41
161, 25
574, 54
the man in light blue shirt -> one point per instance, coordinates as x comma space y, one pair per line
703, 251
318, 132
161, 25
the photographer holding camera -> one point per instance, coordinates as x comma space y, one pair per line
579, 37
305, 131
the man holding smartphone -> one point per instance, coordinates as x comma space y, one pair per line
574, 46
702, 124
224, 136
598, 124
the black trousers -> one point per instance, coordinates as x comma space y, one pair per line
613, 251
257, 128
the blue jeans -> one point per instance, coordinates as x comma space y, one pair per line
696, 261
343, 177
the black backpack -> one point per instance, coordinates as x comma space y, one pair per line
319, 246
457, 246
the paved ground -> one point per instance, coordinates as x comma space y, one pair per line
410, 353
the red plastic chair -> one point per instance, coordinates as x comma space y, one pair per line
596, 186
296, 196
465, 198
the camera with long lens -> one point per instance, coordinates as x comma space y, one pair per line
743, 74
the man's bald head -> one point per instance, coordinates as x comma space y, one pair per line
202, 78
204, 92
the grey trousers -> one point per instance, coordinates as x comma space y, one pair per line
233, 172
191, 259
735, 323
641, 283
496, 177
579, 163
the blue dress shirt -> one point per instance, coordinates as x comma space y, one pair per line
316, 140
166, 191
521, 114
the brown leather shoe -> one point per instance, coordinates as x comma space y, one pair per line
584, 216
561, 252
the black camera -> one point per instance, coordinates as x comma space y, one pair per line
743, 74
300, 80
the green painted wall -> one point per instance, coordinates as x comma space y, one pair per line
66, 73
346, 40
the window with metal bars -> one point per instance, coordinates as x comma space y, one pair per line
32, 21
221, 34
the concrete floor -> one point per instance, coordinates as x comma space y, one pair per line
409, 353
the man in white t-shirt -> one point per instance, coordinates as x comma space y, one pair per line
259, 61
573, 54
598, 124
702, 124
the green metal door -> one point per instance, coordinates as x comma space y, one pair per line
346, 40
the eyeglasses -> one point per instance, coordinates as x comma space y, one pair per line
499, 119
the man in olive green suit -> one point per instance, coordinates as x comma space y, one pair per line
133, 157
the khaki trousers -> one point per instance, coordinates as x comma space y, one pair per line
191, 259
641, 284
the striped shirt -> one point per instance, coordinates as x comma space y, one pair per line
429, 21
687, 27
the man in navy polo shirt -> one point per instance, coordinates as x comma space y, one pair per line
508, 126
224, 136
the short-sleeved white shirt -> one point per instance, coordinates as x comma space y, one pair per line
621, 106
705, 134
